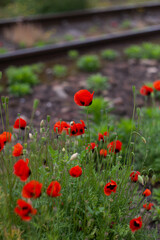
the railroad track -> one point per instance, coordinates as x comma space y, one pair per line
31, 55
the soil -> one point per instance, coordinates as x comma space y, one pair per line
56, 96
37, 35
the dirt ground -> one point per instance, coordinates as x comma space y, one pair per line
57, 96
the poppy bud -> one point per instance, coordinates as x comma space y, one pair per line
63, 149
48, 118
42, 123
146, 179
3, 99
140, 180
7, 100
35, 104
74, 156
30, 136
153, 179
144, 140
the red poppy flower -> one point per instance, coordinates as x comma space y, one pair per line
134, 176
91, 146
110, 187
83, 98
1, 143
61, 126
32, 189
20, 123
145, 90
146, 193
18, 150
24, 210
148, 207
54, 189
75, 171
115, 146
6, 137
80, 128
101, 136
77, 128
103, 152
135, 224
156, 85
21, 169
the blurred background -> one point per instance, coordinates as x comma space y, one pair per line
12, 8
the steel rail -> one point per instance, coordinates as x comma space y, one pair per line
31, 55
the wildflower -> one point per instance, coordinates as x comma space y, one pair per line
135, 224
32, 189
115, 146
146, 193
75, 171
156, 85
18, 150
22, 170
110, 187
73, 129
91, 146
80, 128
148, 207
54, 189
61, 126
103, 152
83, 98
145, 90
24, 210
134, 176
20, 123
101, 136
6, 137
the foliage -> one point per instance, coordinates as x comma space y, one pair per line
82, 211
23, 74
40, 44
60, 70
69, 37
97, 82
21, 79
146, 140
3, 50
126, 24
73, 54
144, 51
97, 110
88, 63
124, 126
109, 54
19, 89
50, 6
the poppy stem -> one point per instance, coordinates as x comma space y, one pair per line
88, 125
2, 118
